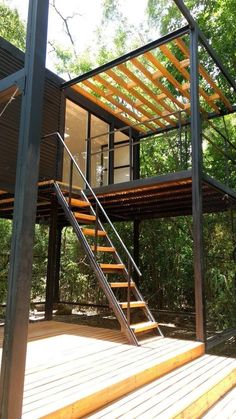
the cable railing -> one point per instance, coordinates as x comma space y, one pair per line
99, 207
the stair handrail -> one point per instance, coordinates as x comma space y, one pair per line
56, 133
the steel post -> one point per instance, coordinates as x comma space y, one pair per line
197, 190
19, 281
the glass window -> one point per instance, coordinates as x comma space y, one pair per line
121, 158
75, 136
121, 175
99, 152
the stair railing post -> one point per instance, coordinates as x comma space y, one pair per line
128, 292
180, 141
70, 181
96, 231
130, 154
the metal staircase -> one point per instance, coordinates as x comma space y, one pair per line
122, 293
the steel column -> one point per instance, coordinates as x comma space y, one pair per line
17, 314
197, 190
194, 25
111, 154
88, 149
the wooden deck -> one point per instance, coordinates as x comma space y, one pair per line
184, 393
71, 370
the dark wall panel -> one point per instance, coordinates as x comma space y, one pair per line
11, 60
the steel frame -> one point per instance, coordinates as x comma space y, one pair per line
167, 38
18, 299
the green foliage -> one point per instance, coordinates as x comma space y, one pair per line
214, 18
11, 27
220, 273
5, 234
40, 254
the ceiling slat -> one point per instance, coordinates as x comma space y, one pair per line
145, 89
136, 94
166, 51
182, 46
123, 96
156, 83
98, 102
118, 105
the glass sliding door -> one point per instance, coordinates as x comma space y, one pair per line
121, 158
99, 152
75, 139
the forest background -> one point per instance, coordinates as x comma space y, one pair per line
166, 258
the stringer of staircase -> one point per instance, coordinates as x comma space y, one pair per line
91, 233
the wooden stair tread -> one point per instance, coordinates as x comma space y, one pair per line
112, 266
104, 249
121, 284
133, 304
78, 203
185, 392
142, 327
91, 232
84, 217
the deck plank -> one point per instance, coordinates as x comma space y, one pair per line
181, 393
71, 367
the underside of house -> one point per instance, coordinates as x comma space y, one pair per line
96, 129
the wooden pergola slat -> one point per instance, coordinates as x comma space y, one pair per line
142, 100
146, 89
107, 108
166, 51
127, 99
142, 91
119, 106
166, 74
183, 47
165, 93
156, 83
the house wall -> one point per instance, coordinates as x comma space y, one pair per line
11, 60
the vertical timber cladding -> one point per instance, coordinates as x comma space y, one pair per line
11, 60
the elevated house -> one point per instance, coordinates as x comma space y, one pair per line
89, 173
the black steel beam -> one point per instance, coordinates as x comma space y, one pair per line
192, 22
162, 179
16, 79
154, 44
19, 280
212, 115
197, 190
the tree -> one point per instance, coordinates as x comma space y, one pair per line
215, 17
11, 26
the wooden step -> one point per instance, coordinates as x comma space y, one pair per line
103, 249
224, 408
78, 203
133, 304
110, 268
90, 232
142, 327
121, 284
185, 392
84, 218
